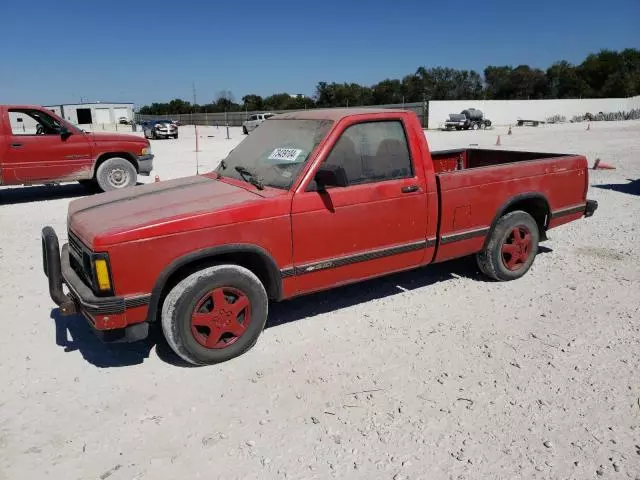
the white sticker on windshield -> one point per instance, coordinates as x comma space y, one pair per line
286, 154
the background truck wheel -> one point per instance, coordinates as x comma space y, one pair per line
215, 314
244, 130
475, 126
116, 173
512, 247
91, 185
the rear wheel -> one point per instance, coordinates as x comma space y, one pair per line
116, 173
215, 314
475, 126
512, 247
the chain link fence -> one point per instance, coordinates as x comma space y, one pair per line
235, 119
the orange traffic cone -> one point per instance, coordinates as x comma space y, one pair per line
598, 165
498, 140
157, 178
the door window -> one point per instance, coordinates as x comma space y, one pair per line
373, 152
33, 122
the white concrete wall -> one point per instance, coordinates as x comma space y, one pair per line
507, 112
634, 102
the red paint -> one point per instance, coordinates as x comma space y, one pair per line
221, 317
516, 248
27, 159
146, 229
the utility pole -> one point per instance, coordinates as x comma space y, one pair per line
195, 128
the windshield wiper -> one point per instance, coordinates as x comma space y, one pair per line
247, 176
223, 166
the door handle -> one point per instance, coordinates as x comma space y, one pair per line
410, 189
16, 145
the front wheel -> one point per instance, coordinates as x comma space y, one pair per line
511, 248
475, 126
244, 130
215, 314
116, 173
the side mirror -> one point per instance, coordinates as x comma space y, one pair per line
65, 132
330, 176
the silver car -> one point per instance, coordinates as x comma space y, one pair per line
254, 121
160, 129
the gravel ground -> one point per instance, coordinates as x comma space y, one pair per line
431, 374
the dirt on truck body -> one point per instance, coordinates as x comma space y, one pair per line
309, 201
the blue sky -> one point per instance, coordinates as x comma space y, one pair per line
145, 51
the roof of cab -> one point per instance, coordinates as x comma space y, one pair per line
334, 114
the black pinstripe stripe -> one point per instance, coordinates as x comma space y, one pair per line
568, 211
139, 301
457, 237
357, 258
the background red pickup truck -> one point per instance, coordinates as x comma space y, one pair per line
38, 147
309, 201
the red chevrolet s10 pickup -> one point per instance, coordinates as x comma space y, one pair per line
309, 201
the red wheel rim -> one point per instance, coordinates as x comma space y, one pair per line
221, 317
516, 248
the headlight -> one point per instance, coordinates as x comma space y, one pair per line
146, 151
102, 274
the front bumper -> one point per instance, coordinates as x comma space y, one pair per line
103, 313
164, 133
590, 208
145, 164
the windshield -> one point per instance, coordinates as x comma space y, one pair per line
276, 152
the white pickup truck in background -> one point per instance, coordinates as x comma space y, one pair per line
254, 121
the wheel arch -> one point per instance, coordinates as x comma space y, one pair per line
130, 157
252, 257
533, 203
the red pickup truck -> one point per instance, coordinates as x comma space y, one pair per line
38, 147
310, 201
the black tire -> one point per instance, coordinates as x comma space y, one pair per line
496, 262
90, 185
180, 306
175, 136
244, 130
116, 173
153, 135
475, 126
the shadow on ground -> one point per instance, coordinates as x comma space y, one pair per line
12, 196
74, 334
631, 188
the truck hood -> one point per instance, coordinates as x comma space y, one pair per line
116, 137
135, 213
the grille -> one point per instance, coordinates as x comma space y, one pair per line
79, 259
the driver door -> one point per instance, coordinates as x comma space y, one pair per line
39, 153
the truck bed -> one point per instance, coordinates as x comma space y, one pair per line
475, 185
463, 159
